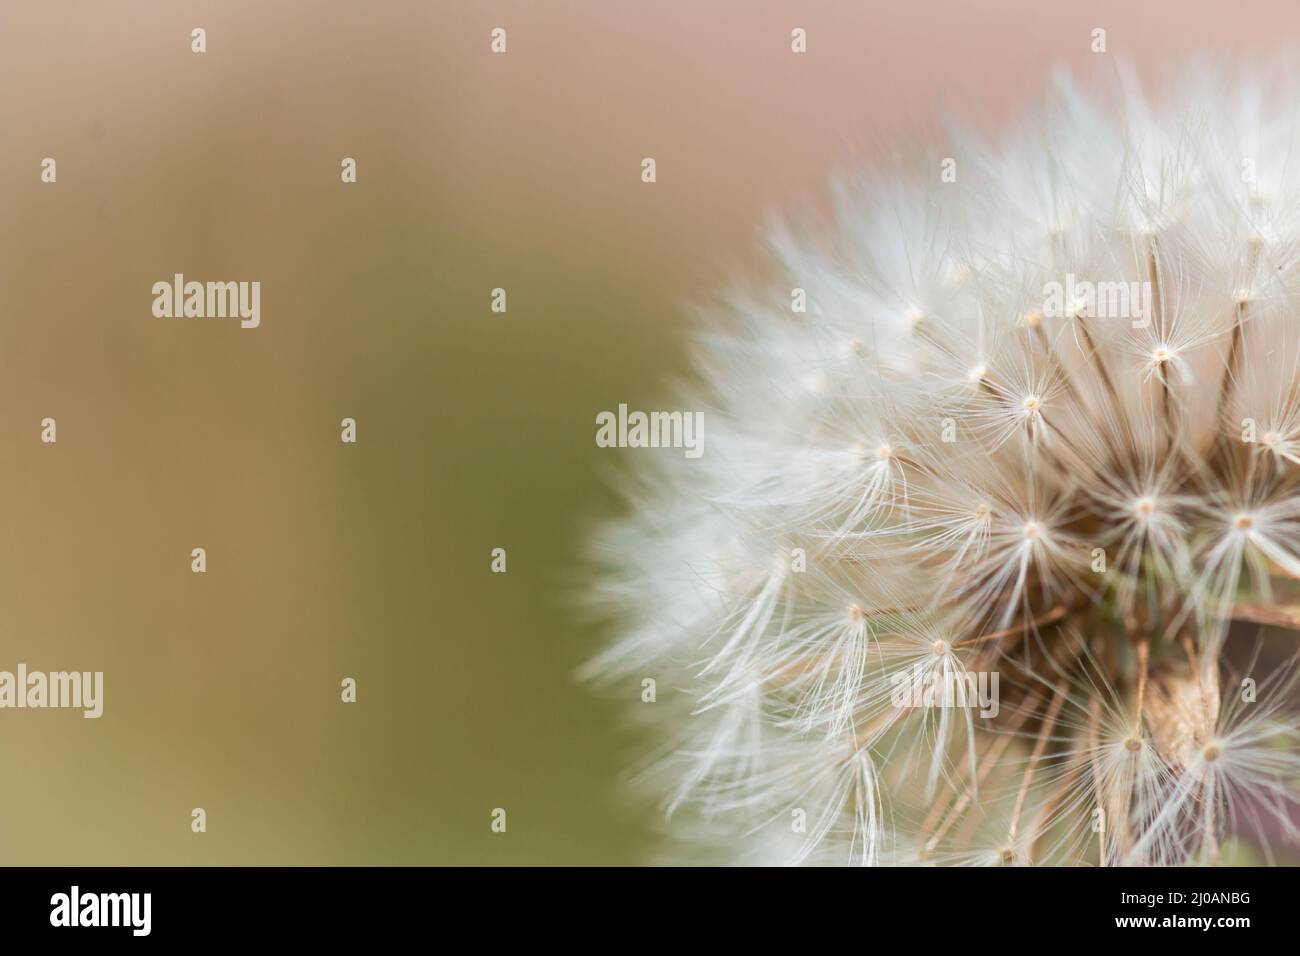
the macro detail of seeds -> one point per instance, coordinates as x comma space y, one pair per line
698, 435
991, 554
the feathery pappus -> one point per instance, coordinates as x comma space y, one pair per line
993, 554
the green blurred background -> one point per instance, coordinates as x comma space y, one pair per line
475, 429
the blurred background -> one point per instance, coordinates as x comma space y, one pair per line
475, 429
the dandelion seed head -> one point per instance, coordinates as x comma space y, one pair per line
1039, 429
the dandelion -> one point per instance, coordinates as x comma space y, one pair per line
936, 473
